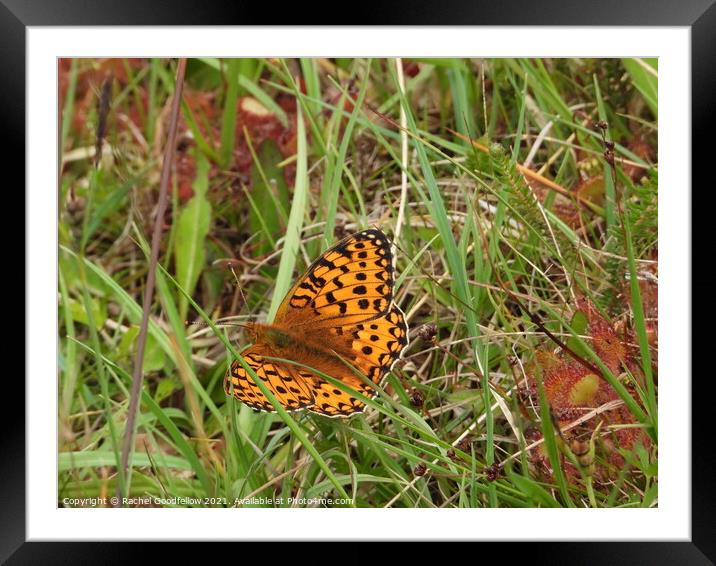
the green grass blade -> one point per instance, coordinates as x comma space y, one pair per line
292, 241
644, 75
228, 119
192, 228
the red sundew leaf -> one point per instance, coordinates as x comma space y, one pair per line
202, 102
203, 106
133, 112
261, 124
568, 385
605, 342
243, 158
63, 78
288, 142
572, 390
287, 102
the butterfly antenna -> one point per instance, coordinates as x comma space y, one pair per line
218, 323
238, 285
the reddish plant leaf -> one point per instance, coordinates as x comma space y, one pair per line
573, 390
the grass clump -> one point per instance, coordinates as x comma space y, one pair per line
522, 198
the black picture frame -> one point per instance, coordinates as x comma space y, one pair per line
698, 15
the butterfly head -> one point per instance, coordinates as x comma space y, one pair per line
266, 334
251, 330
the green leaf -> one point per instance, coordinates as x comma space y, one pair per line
165, 388
192, 229
79, 313
268, 197
533, 490
98, 458
110, 205
154, 357
579, 324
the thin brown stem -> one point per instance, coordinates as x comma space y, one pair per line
137, 375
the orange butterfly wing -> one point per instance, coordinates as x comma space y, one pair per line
376, 345
351, 282
290, 390
343, 307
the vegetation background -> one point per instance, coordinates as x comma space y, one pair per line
522, 197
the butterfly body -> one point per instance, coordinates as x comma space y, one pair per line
339, 319
310, 349
322, 346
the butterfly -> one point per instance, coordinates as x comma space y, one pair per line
337, 318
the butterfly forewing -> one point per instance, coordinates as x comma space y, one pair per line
349, 283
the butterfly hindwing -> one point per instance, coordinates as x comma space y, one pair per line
376, 344
331, 401
290, 390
